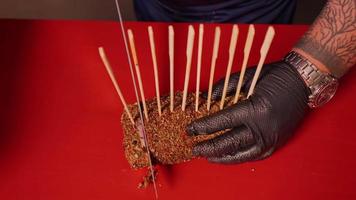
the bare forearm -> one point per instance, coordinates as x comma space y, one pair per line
330, 43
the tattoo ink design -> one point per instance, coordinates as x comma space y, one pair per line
332, 38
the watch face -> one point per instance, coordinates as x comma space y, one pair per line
325, 94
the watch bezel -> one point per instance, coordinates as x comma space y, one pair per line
323, 94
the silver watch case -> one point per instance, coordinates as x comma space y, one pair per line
322, 86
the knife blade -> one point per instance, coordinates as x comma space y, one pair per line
142, 128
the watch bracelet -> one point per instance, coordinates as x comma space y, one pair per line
311, 75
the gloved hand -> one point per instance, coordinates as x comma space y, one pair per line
258, 125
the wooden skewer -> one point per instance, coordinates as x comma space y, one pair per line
263, 53
200, 51
137, 68
213, 63
247, 50
189, 52
233, 41
114, 81
171, 64
155, 68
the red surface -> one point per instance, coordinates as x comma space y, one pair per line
60, 132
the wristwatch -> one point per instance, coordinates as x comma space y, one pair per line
322, 85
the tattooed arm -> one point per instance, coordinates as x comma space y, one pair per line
330, 43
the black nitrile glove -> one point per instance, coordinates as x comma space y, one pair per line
258, 125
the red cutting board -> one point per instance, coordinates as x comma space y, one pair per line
60, 131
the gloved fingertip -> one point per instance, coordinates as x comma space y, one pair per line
196, 151
190, 129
